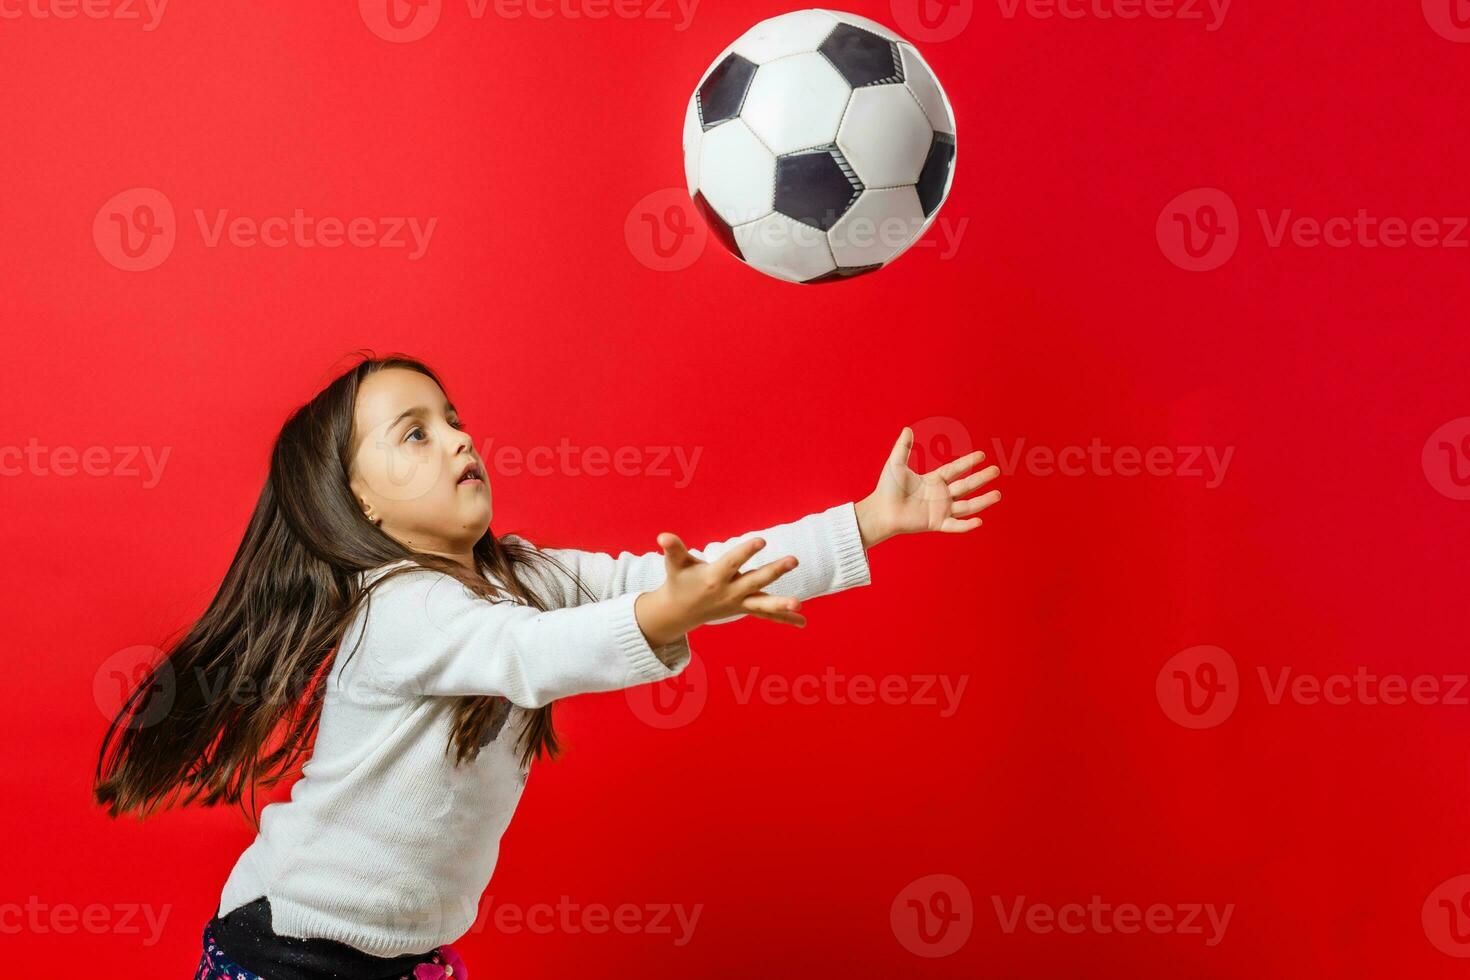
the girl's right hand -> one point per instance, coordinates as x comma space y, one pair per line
696, 592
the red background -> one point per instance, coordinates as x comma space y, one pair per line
1060, 318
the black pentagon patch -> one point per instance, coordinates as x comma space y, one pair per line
816, 187
863, 57
717, 226
935, 175
842, 273
723, 92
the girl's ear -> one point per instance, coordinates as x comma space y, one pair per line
362, 502
367, 510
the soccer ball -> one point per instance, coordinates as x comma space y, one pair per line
819, 146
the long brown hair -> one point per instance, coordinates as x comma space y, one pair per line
185, 733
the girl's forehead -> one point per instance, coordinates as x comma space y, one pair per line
387, 394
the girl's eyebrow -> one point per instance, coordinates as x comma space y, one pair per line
449, 409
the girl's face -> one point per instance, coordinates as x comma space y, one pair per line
410, 452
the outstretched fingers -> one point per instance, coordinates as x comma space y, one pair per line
777, 608
747, 586
674, 550
973, 482
973, 505
952, 470
958, 522
759, 578
729, 563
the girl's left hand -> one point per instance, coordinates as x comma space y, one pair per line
906, 502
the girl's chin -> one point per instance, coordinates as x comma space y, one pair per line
478, 517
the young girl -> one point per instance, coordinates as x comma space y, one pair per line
372, 537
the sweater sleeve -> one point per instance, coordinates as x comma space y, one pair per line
827, 545
427, 634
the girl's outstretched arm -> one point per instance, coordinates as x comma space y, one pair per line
426, 634
828, 546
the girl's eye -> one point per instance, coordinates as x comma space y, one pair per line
409, 435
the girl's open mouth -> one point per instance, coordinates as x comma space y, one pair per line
473, 475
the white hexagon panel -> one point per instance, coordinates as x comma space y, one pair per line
878, 228
796, 103
818, 146
786, 248
885, 136
781, 37
736, 173
925, 88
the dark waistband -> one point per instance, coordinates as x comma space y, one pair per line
246, 936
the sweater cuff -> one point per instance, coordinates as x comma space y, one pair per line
645, 662
847, 547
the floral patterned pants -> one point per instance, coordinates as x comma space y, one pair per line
215, 965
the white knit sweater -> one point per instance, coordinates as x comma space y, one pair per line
385, 844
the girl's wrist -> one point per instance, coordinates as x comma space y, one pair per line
657, 621
870, 526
